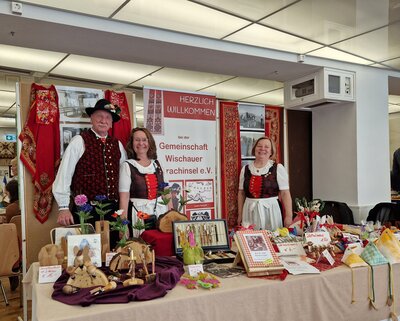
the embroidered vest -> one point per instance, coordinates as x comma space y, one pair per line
139, 186
97, 171
263, 186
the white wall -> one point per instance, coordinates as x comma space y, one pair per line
394, 134
351, 146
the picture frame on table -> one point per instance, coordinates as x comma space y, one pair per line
211, 235
257, 253
76, 243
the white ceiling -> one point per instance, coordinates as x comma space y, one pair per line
224, 47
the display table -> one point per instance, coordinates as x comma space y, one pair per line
325, 296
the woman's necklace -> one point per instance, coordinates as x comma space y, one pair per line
258, 168
144, 162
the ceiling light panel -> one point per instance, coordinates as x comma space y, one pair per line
9, 111
7, 99
394, 63
335, 54
182, 16
104, 70
243, 87
274, 98
379, 45
261, 36
394, 99
103, 8
181, 79
330, 21
254, 10
28, 59
394, 108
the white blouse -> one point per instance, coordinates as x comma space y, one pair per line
281, 174
125, 173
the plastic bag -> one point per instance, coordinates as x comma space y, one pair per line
389, 246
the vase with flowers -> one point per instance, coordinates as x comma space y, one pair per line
140, 224
84, 211
102, 226
120, 225
307, 212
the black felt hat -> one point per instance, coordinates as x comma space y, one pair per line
104, 104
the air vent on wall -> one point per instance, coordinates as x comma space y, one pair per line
326, 86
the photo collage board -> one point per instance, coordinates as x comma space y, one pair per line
72, 104
252, 127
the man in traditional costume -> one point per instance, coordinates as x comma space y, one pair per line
90, 166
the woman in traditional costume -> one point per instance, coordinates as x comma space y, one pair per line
263, 184
141, 177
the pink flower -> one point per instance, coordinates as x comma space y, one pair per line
80, 200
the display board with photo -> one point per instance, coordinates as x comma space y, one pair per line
252, 117
74, 100
68, 131
247, 141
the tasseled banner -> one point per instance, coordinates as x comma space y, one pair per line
122, 128
40, 151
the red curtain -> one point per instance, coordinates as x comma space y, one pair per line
121, 129
40, 151
274, 129
230, 160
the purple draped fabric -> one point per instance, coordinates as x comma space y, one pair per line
168, 269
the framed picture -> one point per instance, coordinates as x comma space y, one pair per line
200, 214
246, 162
252, 117
247, 141
200, 193
176, 194
74, 100
257, 253
67, 131
79, 242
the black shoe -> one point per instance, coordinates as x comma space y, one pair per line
14, 282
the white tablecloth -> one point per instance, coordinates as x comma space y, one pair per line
320, 297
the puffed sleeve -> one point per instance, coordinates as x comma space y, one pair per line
124, 177
241, 178
282, 177
62, 184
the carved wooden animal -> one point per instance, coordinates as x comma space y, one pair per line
83, 274
120, 261
51, 254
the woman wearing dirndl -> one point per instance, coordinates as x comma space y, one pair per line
261, 184
141, 177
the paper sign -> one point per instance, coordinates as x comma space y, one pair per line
49, 274
292, 248
328, 256
318, 238
109, 257
195, 269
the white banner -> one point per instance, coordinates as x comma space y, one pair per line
184, 128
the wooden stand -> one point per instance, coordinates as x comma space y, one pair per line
103, 228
